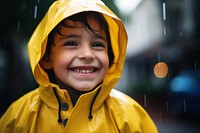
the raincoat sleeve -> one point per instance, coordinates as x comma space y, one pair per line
146, 122
8, 122
138, 122
129, 115
20, 115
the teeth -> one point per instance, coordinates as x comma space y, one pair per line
84, 70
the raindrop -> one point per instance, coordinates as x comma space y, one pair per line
180, 34
35, 12
18, 25
145, 100
164, 18
125, 22
38, 1
164, 11
164, 31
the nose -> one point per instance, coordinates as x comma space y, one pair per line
86, 53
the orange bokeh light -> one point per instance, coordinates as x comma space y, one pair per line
161, 70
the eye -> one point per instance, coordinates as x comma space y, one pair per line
98, 45
71, 43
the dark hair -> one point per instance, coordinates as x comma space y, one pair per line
83, 18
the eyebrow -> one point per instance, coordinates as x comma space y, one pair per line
79, 36
68, 36
100, 37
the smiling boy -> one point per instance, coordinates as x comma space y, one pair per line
77, 54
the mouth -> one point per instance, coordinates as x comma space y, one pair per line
84, 70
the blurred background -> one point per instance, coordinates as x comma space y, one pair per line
162, 69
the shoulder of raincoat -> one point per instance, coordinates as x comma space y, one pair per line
49, 108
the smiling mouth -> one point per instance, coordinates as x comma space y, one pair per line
84, 70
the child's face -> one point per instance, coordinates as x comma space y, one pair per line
79, 58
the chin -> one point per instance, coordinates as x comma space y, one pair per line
85, 88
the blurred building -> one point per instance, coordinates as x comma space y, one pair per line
164, 31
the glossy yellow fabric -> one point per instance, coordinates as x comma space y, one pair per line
113, 111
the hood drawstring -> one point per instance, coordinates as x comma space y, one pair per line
59, 106
91, 106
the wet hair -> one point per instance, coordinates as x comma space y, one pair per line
83, 19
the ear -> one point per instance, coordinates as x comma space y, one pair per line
45, 63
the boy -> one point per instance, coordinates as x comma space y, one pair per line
77, 54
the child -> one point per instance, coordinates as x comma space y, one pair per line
77, 54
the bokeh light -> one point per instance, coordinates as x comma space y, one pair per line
160, 70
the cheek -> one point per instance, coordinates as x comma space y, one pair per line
61, 59
105, 60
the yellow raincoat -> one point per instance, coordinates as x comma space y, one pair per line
106, 111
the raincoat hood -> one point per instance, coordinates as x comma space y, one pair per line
62, 9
